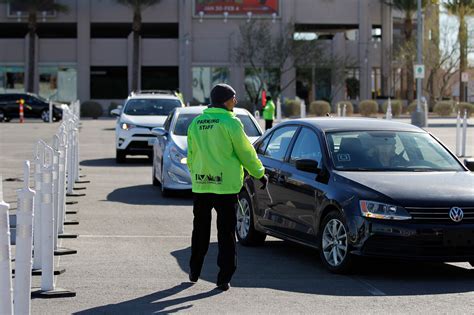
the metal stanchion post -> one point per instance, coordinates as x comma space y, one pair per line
24, 244
458, 134
278, 109
302, 109
464, 134
338, 110
50, 112
6, 296
344, 110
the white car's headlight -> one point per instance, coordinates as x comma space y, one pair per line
177, 156
126, 126
377, 210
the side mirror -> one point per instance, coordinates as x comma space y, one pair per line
116, 112
159, 132
469, 163
310, 166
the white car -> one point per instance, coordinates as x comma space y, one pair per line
142, 112
170, 170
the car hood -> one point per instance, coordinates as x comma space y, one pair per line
147, 121
419, 189
182, 142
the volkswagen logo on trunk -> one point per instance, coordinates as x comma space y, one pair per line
456, 214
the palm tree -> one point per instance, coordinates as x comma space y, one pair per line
138, 6
461, 9
33, 7
409, 8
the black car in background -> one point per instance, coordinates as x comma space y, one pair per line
34, 107
362, 187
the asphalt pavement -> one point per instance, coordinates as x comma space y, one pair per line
134, 247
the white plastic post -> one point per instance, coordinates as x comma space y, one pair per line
256, 115
55, 188
464, 134
338, 110
6, 296
278, 109
24, 244
302, 109
389, 115
62, 179
47, 222
76, 152
70, 158
458, 134
39, 158
50, 112
425, 106
344, 110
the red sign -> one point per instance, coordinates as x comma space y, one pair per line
236, 7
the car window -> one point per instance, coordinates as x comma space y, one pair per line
168, 121
389, 151
249, 126
263, 145
279, 142
182, 124
306, 147
158, 107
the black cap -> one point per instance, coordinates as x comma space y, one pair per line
221, 93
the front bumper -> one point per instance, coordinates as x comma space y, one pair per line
176, 177
430, 242
135, 141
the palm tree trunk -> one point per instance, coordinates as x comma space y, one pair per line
32, 25
137, 24
463, 53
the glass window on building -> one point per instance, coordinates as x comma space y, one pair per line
376, 82
12, 79
109, 82
204, 78
352, 83
257, 80
58, 83
160, 78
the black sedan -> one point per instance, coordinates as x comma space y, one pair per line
34, 107
363, 187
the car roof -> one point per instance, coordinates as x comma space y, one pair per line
200, 109
153, 96
331, 124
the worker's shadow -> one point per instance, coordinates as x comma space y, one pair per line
155, 303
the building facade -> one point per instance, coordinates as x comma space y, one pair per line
190, 44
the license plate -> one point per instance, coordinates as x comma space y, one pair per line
151, 142
459, 238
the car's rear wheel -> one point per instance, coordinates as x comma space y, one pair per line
334, 243
155, 181
471, 263
120, 156
245, 228
45, 115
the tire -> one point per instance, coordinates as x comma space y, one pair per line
245, 228
164, 191
45, 115
337, 259
120, 156
154, 180
471, 263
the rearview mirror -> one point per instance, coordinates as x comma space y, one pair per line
469, 163
305, 165
159, 132
116, 112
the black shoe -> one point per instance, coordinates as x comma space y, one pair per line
193, 278
223, 286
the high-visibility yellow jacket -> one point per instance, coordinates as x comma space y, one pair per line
218, 150
269, 111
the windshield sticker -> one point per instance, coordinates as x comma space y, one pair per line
343, 157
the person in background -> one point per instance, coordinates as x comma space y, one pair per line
269, 113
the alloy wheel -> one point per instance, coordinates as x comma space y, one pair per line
243, 218
334, 242
45, 115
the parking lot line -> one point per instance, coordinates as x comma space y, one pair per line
369, 287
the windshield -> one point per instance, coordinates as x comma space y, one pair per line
389, 151
157, 107
184, 120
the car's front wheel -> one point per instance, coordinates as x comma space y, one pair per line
155, 181
45, 115
334, 243
245, 229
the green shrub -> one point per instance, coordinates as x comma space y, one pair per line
464, 106
319, 108
349, 107
368, 108
396, 107
91, 109
411, 108
291, 108
444, 108
112, 106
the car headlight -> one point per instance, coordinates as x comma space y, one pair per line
377, 210
177, 156
126, 126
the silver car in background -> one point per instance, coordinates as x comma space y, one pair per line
170, 149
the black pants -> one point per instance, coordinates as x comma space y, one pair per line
226, 222
268, 124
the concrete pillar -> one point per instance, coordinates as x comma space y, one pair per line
27, 47
287, 12
365, 65
130, 62
338, 71
185, 8
83, 49
386, 51
237, 70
